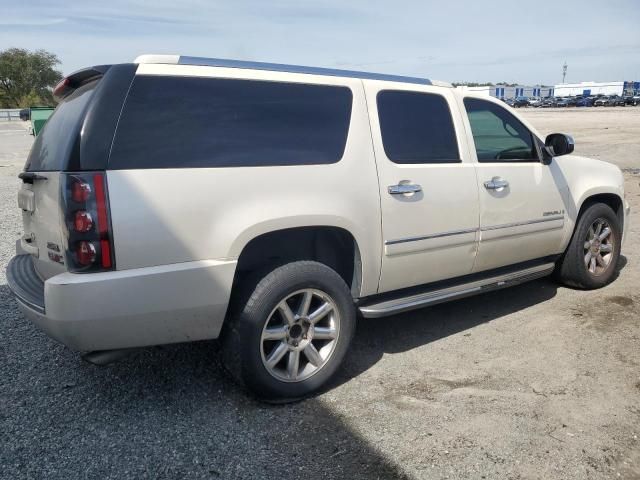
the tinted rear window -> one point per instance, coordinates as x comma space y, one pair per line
417, 127
181, 122
58, 138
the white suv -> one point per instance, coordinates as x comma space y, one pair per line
177, 199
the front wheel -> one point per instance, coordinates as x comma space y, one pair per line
592, 256
290, 331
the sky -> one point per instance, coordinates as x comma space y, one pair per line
455, 41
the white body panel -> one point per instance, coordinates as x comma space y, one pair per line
585, 178
212, 213
517, 223
42, 221
138, 307
424, 241
523, 221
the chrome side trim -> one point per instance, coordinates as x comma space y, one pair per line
471, 230
278, 67
520, 224
399, 305
428, 237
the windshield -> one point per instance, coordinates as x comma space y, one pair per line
54, 143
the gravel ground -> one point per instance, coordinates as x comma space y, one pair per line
537, 381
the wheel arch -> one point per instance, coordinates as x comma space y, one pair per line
612, 199
334, 246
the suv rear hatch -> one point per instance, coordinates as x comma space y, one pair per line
74, 144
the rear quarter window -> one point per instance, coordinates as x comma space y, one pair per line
191, 122
53, 145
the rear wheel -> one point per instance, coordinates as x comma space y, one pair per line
290, 331
591, 258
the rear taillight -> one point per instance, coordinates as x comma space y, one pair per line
80, 191
85, 253
88, 226
82, 221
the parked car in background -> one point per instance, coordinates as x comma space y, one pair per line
509, 101
585, 102
535, 101
520, 102
616, 101
636, 99
299, 197
610, 101
548, 102
601, 101
566, 102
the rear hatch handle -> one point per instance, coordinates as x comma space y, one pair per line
30, 177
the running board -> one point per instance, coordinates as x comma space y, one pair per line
432, 297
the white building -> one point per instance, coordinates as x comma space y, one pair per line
501, 91
589, 88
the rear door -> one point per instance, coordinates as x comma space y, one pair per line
39, 196
428, 187
522, 210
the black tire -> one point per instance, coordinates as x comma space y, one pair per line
572, 269
254, 306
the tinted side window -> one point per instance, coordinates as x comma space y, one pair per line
53, 145
189, 122
416, 127
497, 134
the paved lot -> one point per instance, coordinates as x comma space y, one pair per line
538, 381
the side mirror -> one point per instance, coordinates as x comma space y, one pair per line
558, 144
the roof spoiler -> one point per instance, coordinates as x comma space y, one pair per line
74, 80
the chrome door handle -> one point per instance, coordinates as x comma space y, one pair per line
496, 183
403, 188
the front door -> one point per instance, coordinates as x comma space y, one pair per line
522, 212
428, 187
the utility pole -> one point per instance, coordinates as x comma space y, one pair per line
564, 71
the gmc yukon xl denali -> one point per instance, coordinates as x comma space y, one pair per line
177, 199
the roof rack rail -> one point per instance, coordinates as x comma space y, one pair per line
278, 67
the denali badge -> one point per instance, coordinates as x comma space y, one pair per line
553, 212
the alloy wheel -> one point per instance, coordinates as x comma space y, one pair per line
300, 335
598, 247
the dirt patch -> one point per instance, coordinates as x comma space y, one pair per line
620, 300
608, 313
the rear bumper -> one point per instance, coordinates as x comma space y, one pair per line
129, 308
25, 283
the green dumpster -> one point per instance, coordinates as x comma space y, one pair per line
39, 116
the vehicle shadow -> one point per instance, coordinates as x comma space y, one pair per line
404, 332
165, 412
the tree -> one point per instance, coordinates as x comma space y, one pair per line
27, 77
